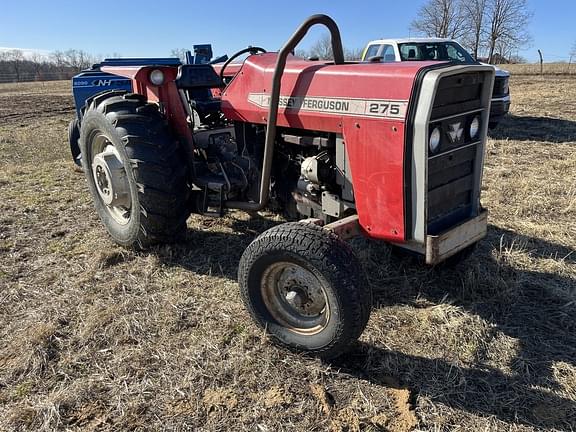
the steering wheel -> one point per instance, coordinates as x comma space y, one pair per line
251, 50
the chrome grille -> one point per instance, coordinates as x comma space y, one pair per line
451, 169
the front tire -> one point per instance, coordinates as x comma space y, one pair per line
306, 287
135, 170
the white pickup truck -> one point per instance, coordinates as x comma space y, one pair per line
426, 49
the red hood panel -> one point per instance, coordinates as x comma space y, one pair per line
366, 103
316, 95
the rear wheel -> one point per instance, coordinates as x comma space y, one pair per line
306, 287
135, 170
73, 138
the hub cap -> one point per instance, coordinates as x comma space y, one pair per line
295, 298
110, 179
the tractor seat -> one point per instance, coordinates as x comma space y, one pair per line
197, 80
197, 76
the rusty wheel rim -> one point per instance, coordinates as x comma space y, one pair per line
295, 298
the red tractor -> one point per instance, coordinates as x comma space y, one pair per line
391, 151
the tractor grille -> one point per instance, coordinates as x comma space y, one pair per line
451, 168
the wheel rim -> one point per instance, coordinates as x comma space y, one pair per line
295, 298
110, 179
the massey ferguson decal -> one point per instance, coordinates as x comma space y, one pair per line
330, 105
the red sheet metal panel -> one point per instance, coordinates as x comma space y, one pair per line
167, 93
367, 103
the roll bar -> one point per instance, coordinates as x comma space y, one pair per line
288, 48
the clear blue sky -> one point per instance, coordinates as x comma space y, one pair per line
153, 28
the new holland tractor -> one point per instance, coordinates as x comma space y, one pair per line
391, 151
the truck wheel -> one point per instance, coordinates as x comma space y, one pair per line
306, 287
135, 170
73, 137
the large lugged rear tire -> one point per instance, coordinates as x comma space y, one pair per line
136, 172
306, 287
73, 138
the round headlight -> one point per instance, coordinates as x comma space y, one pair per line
157, 77
434, 140
474, 127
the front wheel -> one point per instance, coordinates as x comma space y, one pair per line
306, 287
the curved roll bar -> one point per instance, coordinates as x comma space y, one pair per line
288, 47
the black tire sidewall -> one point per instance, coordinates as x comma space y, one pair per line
93, 122
73, 139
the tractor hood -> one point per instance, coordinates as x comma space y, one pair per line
319, 96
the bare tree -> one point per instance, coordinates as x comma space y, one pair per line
475, 14
180, 53
441, 18
517, 59
354, 54
302, 53
57, 58
322, 48
78, 59
38, 65
506, 21
15, 60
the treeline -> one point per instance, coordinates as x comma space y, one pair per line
15, 66
493, 29
322, 49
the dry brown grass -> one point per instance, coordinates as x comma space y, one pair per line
95, 337
534, 68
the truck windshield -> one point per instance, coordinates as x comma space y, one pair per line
441, 51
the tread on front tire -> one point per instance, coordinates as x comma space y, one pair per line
153, 169
325, 264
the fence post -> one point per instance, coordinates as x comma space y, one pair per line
541, 63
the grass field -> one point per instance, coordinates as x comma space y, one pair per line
547, 68
96, 337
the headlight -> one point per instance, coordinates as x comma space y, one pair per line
506, 87
157, 77
474, 127
434, 140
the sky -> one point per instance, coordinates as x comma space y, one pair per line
152, 28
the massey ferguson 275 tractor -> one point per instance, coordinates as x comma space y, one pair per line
391, 151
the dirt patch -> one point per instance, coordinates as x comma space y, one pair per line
325, 399
219, 398
406, 419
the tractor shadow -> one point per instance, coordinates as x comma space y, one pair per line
533, 308
214, 248
528, 128
536, 309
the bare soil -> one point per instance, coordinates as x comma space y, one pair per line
96, 337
